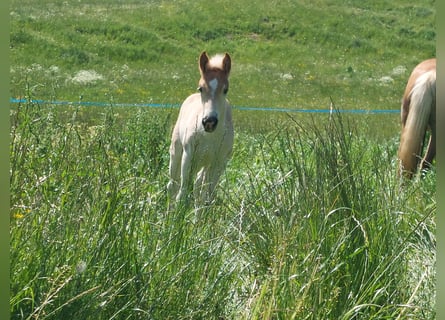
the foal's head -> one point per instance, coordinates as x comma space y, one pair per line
213, 86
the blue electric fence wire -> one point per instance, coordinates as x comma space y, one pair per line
175, 105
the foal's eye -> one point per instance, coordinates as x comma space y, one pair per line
226, 90
200, 89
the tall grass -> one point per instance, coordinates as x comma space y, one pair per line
325, 225
310, 222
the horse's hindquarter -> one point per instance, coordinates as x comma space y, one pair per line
418, 112
422, 68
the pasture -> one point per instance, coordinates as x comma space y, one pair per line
310, 219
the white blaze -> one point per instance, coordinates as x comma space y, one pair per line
213, 86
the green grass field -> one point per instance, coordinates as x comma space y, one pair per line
310, 220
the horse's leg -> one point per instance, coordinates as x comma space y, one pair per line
186, 175
214, 174
218, 166
174, 167
430, 154
431, 149
199, 185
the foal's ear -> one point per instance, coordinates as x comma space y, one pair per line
227, 63
203, 60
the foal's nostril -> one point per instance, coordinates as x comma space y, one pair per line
209, 123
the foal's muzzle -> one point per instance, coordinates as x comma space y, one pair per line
209, 123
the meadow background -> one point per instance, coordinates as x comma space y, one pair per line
310, 220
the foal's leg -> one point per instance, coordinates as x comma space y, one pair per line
174, 168
199, 186
214, 174
186, 176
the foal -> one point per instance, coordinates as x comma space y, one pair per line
202, 138
418, 113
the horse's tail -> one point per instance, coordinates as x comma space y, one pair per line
422, 98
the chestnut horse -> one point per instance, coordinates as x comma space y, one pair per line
418, 113
202, 138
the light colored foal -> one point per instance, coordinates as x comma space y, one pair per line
202, 138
